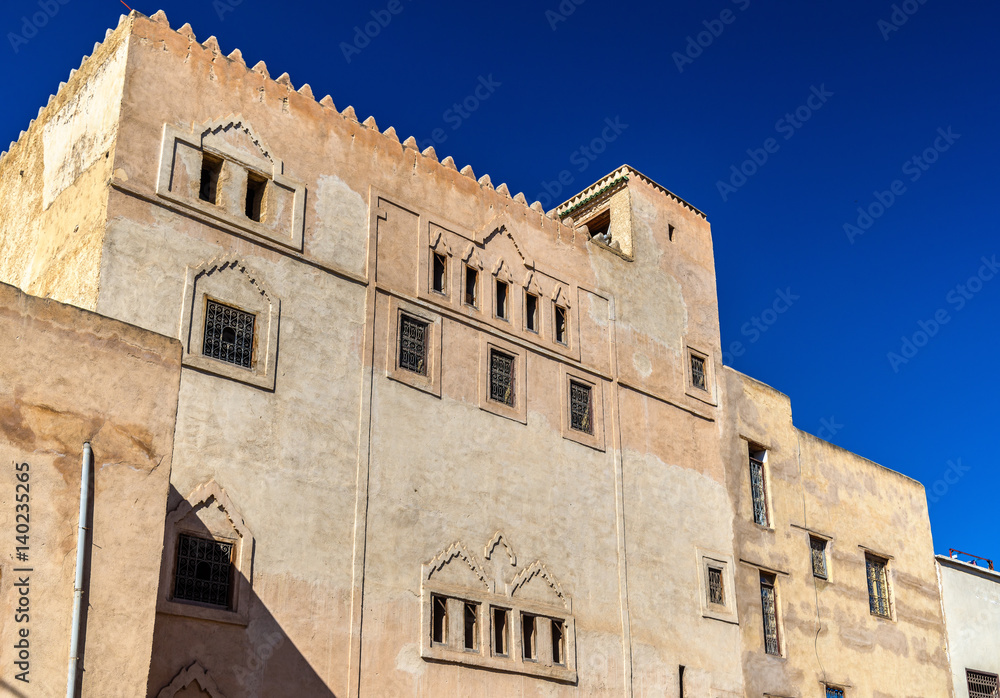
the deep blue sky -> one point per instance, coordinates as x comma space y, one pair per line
781, 229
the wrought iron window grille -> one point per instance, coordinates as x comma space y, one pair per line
413, 345
818, 550
204, 570
769, 606
698, 378
228, 334
581, 408
758, 489
878, 586
501, 378
982, 685
716, 591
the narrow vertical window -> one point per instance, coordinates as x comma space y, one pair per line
834, 692
439, 272
500, 633
817, 547
560, 324
531, 312
878, 586
256, 186
228, 334
558, 642
471, 627
769, 606
982, 685
698, 378
413, 345
758, 487
716, 591
502, 311
581, 408
501, 377
471, 287
528, 638
211, 170
439, 620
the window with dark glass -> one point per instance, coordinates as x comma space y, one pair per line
211, 170
413, 345
502, 311
878, 586
500, 633
716, 592
255, 195
471, 287
529, 637
439, 620
471, 626
769, 607
560, 324
982, 685
228, 334
698, 379
834, 692
531, 312
817, 547
558, 642
581, 408
439, 272
502, 377
758, 487
204, 570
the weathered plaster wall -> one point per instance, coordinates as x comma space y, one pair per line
970, 597
829, 634
429, 474
53, 183
124, 404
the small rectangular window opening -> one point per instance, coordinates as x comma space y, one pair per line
471, 287
439, 620
769, 606
560, 324
581, 408
502, 300
600, 225
558, 642
878, 586
256, 185
500, 647
716, 592
501, 377
531, 312
758, 486
211, 170
680, 679
834, 692
413, 345
698, 378
204, 570
228, 334
817, 547
528, 638
982, 685
471, 627
439, 272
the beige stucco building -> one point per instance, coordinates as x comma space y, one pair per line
430, 439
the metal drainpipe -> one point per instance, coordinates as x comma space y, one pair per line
88, 460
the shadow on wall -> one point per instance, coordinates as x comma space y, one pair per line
199, 658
